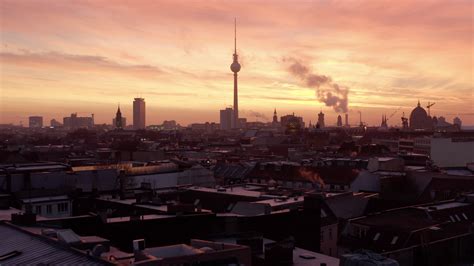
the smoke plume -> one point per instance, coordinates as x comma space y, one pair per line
257, 115
312, 177
327, 91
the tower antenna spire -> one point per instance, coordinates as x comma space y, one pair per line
235, 35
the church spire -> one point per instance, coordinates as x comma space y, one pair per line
118, 109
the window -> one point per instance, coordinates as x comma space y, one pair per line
38, 209
330, 233
394, 240
452, 219
376, 237
457, 217
321, 236
49, 209
323, 213
63, 207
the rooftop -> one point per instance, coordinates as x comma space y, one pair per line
248, 191
25, 249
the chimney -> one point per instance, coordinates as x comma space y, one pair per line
138, 245
138, 248
309, 233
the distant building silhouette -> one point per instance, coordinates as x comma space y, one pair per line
74, 121
384, 122
170, 125
457, 121
35, 121
339, 121
320, 123
291, 121
139, 113
119, 122
419, 119
55, 123
226, 117
346, 124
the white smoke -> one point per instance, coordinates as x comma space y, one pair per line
327, 91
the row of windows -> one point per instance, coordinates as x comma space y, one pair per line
393, 242
456, 217
62, 208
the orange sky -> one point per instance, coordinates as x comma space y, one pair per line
59, 57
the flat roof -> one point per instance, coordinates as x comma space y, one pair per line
443, 206
239, 191
45, 199
141, 217
173, 251
279, 202
312, 258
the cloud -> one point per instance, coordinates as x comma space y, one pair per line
79, 63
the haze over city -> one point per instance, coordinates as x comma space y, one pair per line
244, 132
61, 57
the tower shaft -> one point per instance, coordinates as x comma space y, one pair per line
235, 67
236, 102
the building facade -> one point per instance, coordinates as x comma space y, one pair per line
139, 113
226, 117
35, 121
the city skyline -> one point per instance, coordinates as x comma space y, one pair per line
177, 59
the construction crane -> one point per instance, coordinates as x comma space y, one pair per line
396, 111
360, 119
429, 106
404, 121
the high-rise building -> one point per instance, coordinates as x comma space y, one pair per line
275, 117
339, 121
235, 67
384, 122
226, 117
346, 124
320, 123
139, 113
35, 122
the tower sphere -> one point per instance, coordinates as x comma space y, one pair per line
235, 67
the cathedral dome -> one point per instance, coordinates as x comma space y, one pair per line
419, 118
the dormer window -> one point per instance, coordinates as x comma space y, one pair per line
376, 237
394, 240
452, 219
457, 217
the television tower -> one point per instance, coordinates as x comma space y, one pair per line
235, 67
